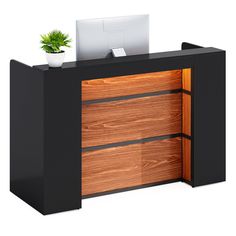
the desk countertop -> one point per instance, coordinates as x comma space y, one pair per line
143, 57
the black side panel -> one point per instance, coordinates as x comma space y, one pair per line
62, 141
26, 134
209, 119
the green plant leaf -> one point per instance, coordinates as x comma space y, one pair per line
54, 40
47, 48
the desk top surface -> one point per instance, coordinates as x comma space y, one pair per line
143, 57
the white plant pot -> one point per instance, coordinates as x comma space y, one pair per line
55, 59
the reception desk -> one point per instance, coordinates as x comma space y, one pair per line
103, 126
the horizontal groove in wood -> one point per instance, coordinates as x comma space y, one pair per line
132, 119
164, 92
125, 143
131, 84
186, 150
186, 79
186, 92
132, 165
186, 136
186, 114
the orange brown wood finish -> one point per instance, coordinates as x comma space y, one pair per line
131, 84
186, 79
186, 145
186, 114
186, 124
131, 119
131, 165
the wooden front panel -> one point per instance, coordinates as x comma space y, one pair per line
131, 84
186, 78
131, 119
186, 145
132, 165
186, 110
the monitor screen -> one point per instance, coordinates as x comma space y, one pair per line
96, 38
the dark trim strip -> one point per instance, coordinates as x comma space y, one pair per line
186, 136
131, 96
125, 143
131, 188
186, 92
188, 182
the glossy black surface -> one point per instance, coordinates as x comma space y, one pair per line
208, 112
192, 50
45, 163
26, 135
46, 121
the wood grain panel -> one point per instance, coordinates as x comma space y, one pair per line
131, 119
131, 84
186, 110
132, 165
186, 145
186, 79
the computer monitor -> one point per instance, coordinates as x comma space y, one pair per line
96, 38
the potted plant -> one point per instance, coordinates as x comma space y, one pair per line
51, 44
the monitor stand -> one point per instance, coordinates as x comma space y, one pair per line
118, 52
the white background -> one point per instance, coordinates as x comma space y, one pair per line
174, 209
